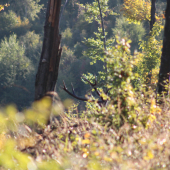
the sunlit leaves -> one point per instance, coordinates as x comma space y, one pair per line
137, 10
10, 158
40, 112
131, 30
149, 155
127, 133
88, 145
2, 6
150, 55
51, 165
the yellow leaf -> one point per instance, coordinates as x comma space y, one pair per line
87, 135
136, 10
86, 141
149, 155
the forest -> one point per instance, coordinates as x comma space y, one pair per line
110, 109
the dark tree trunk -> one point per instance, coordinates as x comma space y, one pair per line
153, 19
165, 58
153, 11
47, 73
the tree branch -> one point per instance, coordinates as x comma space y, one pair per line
102, 23
94, 87
79, 98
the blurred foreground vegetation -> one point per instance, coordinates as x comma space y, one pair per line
80, 141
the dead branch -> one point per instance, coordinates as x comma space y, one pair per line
80, 98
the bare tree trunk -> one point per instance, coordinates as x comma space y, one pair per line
153, 11
47, 73
164, 76
153, 19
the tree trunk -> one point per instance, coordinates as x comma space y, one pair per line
164, 76
47, 73
153, 11
153, 19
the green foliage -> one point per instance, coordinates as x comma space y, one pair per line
121, 105
16, 69
26, 9
10, 158
82, 142
117, 76
11, 21
13, 62
92, 11
137, 10
75, 28
51, 165
67, 36
20, 51
33, 45
130, 131
149, 57
120, 71
132, 31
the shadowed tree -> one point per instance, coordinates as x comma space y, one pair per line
153, 11
164, 76
51, 51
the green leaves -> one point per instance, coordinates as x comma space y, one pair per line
117, 73
92, 12
13, 62
18, 60
10, 158
27, 9
137, 10
150, 55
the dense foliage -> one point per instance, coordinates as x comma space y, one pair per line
25, 21
121, 126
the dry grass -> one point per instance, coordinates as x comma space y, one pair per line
75, 143
85, 144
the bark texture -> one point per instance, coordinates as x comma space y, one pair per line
164, 76
47, 73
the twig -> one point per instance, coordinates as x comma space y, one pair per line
79, 98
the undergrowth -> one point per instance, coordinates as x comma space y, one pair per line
79, 142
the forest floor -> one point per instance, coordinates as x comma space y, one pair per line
79, 144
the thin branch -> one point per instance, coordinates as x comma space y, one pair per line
22, 87
79, 98
72, 94
94, 87
72, 89
102, 23
104, 35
